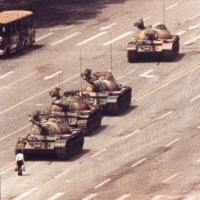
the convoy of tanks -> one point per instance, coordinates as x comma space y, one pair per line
61, 130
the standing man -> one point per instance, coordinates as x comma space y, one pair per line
19, 161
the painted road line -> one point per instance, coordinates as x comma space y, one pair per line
146, 74
19, 80
39, 94
198, 161
198, 127
56, 196
171, 6
189, 42
44, 36
176, 140
118, 38
7, 167
165, 115
125, 196
25, 194
52, 76
5, 75
62, 173
195, 98
15, 132
98, 153
194, 16
171, 177
102, 183
195, 26
91, 38
190, 198
90, 196
107, 27
139, 162
180, 33
60, 28
167, 82
66, 38
157, 197
129, 135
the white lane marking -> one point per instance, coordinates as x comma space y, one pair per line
198, 161
91, 38
131, 134
195, 98
146, 18
90, 196
198, 127
25, 194
171, 6
180, 33
102, 183
62, 173
190, 198
107, 27
157, 197
68, 181
60, 28
5, 75
44, 36
176, 140
98, 153
137, 163
52, 76
193, 27
189, 42
194, 16
124, 197
66, 38
146, 74
118, 38
18, 80
171, 177
56, 196
39, 94
165, 115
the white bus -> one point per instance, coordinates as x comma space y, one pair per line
17, 30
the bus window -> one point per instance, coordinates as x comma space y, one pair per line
13, 27
19, 25
2, 30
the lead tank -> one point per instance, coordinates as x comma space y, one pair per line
50, 136
75, 109
152, 41
101, 87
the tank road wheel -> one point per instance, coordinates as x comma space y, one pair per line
131, 56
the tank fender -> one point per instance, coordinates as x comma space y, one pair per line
167, 46
131, 46
112, 99
60, 144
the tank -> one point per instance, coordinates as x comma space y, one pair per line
51, 136
76, 110
152, 42
101, 87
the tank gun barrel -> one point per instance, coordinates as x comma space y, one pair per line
36, 123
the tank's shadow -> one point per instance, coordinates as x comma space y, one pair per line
102, 127
160, 59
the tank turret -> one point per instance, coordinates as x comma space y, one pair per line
153, 41
76, 110
103, 88
50, 136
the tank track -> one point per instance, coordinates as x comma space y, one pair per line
68, 149
93, 122
170, 55
131, 56
123, 102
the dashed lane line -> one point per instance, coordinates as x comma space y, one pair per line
176, 140
139, 162
90, 196
123, 197
44, 36
56, 196
91, 38
171, 6
102, 183
167, 82
165, 115
25, 194
171, 177
98, 153
38, 94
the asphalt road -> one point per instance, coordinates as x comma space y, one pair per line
150, 152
